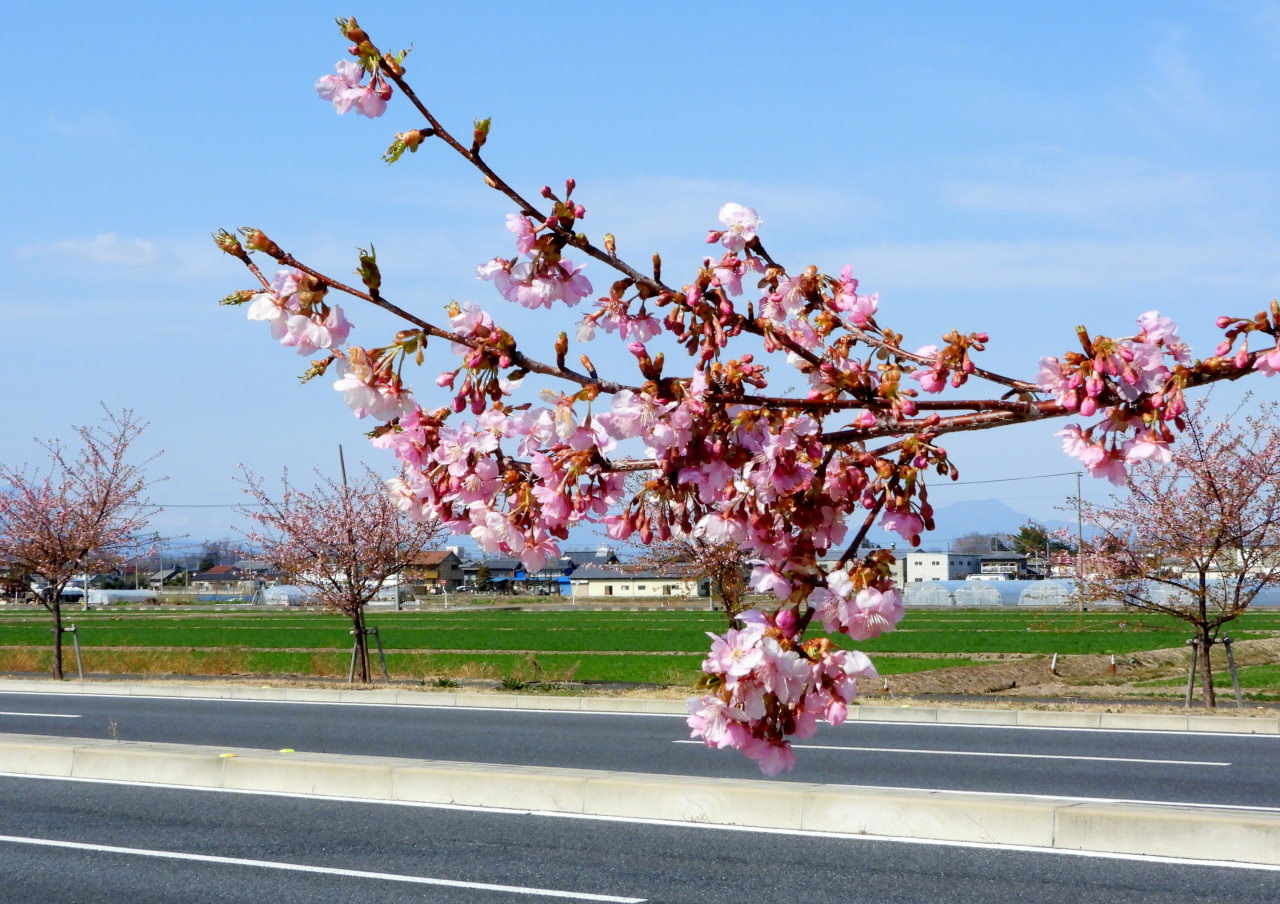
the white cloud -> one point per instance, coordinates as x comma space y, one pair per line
109, 248
1175, 86
1055, 182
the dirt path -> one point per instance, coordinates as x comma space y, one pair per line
1082, 675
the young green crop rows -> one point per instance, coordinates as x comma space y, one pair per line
656, 647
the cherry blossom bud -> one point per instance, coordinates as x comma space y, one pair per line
257, 241
1088, 407
1223, 347
1223, 322
351, 30
569, 185
785, 620
406, 141
446, 379
230, 244
1242, 358
713, 236
480, 133
368, 271
238, 297
547, 192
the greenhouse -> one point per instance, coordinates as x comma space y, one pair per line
990, 594
1036, 594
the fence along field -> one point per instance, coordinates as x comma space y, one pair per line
540, 648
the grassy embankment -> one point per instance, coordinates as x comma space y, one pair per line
658, 647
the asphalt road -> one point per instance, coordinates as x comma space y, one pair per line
1211, 769
84, 842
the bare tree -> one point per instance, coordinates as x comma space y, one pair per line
677, 546
87, 508
976, 542
341, 541
1196, 536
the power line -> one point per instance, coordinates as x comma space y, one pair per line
962, 483
958, 483
212, 505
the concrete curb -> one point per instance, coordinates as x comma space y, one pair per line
867, 712
1216, 834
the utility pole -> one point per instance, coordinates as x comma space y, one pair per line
1079, 541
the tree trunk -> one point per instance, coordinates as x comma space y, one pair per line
1206, 669
362, 645
56, 609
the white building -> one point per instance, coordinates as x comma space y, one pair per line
938, 566
590, 582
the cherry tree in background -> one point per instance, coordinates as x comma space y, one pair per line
86, 509
1196, 536
341, 541
693, 555
792, 478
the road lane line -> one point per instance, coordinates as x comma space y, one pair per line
714, 827
1023, 756
43, 715
475, 808
323, 870
519, 711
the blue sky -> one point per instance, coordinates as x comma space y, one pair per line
1018, 169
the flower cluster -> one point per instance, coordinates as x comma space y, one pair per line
347, 91
767, 688
1136, 384
293, 306
792, 477
546, 277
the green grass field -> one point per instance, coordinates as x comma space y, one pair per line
654, 647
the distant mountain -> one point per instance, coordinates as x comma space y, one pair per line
982, 516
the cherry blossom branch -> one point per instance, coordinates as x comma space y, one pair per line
736, 466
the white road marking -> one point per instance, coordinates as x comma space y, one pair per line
1275, 811
1023, 756
43, 715
800, 833
511, 710
324, 870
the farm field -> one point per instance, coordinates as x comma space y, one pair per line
516, 648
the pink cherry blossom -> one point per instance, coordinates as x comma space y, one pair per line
740, 225
346, 91
1268, 362
266, 306
907, 524
734, 653
370, 394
